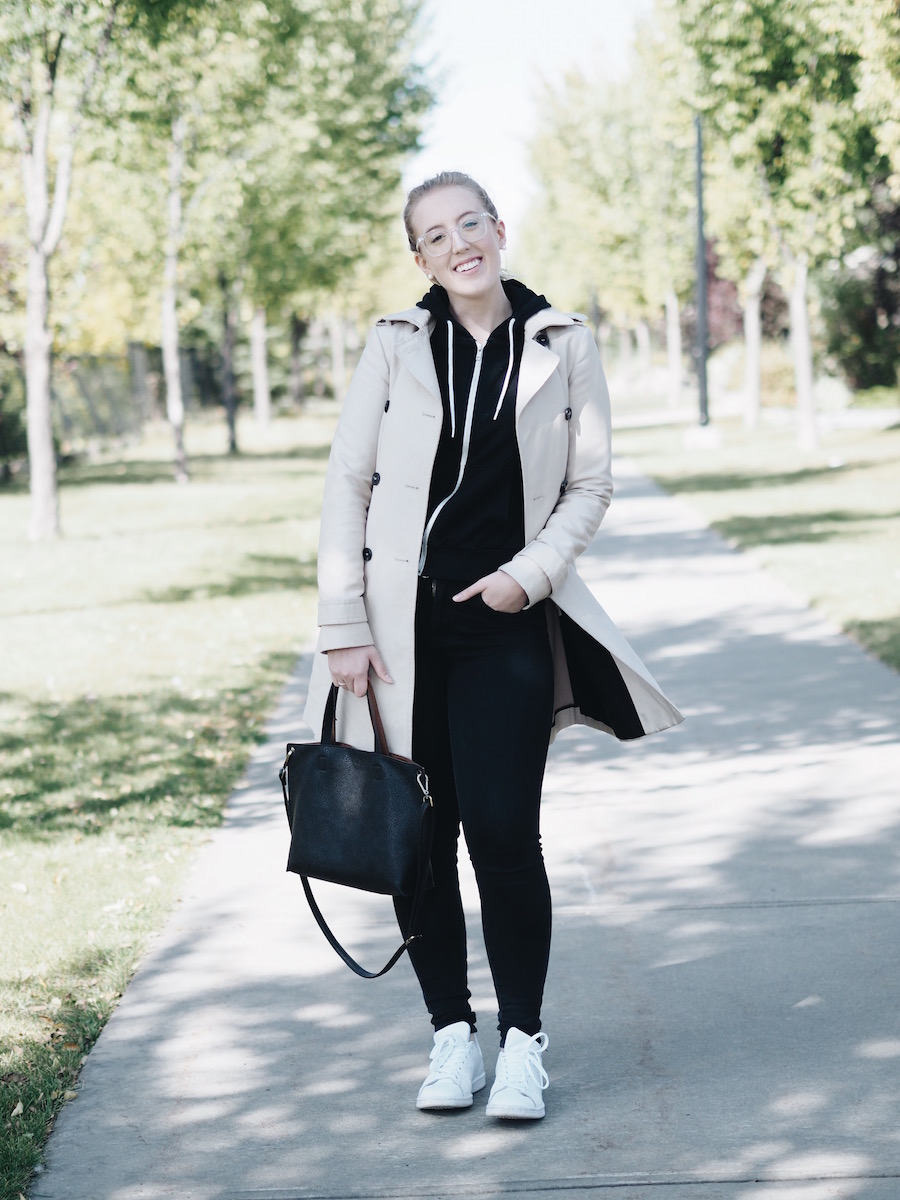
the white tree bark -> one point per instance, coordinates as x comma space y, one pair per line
262, 399
338, 369
753, 286
801, 350
44, 520
642, 339
169, 315
675, 368
32, 117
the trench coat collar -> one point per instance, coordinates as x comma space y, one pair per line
538, 362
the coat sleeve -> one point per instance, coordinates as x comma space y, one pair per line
543, 564
343, 619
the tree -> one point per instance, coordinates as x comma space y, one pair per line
286, 125
615, 167
35, 41
52, 55
780, 86
336, 126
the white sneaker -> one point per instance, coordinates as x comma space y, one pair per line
520, 1079
457, 1069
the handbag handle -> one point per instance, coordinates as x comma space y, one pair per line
329, 719
426, 832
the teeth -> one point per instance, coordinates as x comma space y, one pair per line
468, 266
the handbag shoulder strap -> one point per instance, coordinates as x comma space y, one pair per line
426, 833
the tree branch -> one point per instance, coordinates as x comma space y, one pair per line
64, 162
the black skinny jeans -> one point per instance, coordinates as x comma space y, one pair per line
481, 729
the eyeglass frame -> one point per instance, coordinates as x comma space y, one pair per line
457, 229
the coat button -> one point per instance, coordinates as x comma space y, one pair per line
542, 339
568, 414
376, 479
387, 405
367, 554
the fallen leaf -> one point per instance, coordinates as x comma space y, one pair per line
70, 1095
71, 1046
18, 1110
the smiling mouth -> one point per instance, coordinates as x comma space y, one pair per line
469, 265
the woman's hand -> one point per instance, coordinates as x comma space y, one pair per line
499, 591
349, 668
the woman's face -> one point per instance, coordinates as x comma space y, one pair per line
470, 269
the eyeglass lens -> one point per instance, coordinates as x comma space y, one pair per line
472, 227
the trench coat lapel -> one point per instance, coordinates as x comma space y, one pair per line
415, 351
538, 364
538, 361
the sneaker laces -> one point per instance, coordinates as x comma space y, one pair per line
449, 1057
523, 1068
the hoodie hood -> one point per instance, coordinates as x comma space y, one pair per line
525, 303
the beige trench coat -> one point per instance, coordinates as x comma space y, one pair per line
375, 508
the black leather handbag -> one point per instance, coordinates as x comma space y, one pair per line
361, 818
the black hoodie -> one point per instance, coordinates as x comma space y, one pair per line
475, 508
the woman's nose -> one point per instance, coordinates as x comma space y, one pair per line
457, 241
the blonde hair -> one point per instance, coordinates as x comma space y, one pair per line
445, 179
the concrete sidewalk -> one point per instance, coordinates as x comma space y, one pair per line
722, 1001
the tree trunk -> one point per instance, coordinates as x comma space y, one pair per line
626, 352
45, 220
298, 333
262, 399
44, 521
317, 341
642, 338
140, 387
170, 339
338, 368
229, 385
801, 350
753, 286
673, 349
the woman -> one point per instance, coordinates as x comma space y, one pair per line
470, 468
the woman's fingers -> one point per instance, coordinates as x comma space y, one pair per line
498, 590
349, 667
472, 590
378, 666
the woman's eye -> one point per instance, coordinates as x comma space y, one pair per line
437, 239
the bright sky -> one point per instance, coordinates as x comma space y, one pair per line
490, 58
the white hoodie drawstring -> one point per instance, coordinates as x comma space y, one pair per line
450, 378
512, 321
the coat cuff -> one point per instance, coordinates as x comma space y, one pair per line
539, 570
341, 637
343, 612
528, 575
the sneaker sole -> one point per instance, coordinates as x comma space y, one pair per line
515, 1114
449, 1105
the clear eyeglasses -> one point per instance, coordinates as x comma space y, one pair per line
471, 228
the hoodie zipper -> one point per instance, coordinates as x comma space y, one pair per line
467, 437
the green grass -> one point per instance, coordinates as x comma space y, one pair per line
141, 656
827, 522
